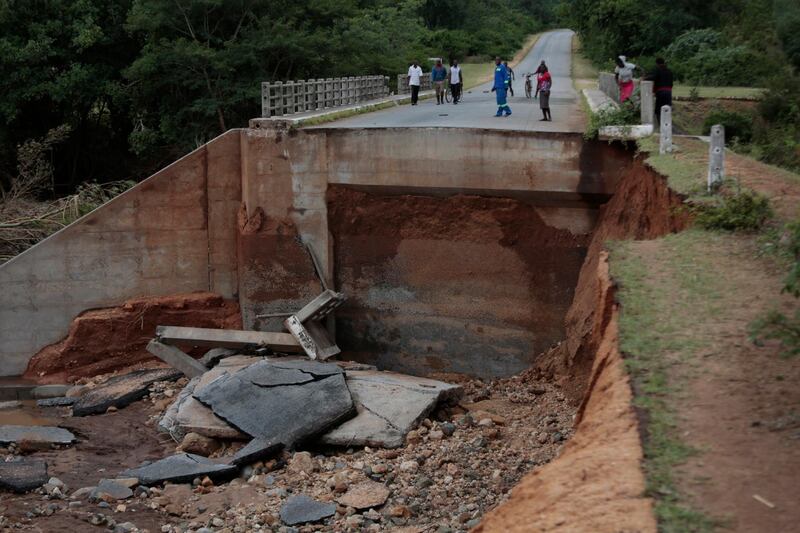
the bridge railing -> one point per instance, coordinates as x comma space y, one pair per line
402, 83
287, 98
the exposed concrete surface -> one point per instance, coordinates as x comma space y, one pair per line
180, 468
23, 476
151, 240
478, 106
35, 435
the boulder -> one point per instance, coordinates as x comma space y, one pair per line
389, 405
301, 509
266, 401
23, 475
180, 468
195, 443
121, 391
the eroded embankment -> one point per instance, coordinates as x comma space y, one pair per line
109, 339
597, 483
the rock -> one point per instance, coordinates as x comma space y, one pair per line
409, 466
130, 482
436, 435
125, 527
215, 355
486, 422
365, 495
180, 468
23, 476
255, 450
543, 438
302, 462
198, 444
282, 414
77, 391
10, 404
447, 428
388, 406
217, 522
81, 493
108, 490
121, 391
35, 435
62, 401
301, 509
400, 511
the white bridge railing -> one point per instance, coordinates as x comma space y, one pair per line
287, 98
608, 84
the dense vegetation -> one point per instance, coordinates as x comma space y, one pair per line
132, 83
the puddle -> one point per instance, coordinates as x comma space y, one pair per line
26, 414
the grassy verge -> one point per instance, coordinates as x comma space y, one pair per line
744, 93
665, 321
584, 73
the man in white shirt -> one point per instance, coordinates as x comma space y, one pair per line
414, 80
455, 81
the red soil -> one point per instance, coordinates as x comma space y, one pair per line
597, 483
105, 340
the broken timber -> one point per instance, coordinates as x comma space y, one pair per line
228, 338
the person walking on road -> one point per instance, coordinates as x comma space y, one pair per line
624, 75
455, 81
438, 77
511, 77
500, 87
662, 86
414, 79
545, 84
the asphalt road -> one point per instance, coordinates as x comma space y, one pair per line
478, 106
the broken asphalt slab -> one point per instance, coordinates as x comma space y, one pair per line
301, 509
56, 402
255, 450
389, 405
180, 468
121, 391
23, 476
282, 412
35, 435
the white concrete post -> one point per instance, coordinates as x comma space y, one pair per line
665, 145
265, 100
648, 103
320, 94
716, 157
279, 98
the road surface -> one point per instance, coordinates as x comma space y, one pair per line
478, 106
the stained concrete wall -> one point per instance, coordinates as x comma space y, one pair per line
152, 240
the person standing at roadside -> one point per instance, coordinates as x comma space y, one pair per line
545, 84
414, 79
455, 81
539, 71
500, 87
438, 77
511, 77
662, 86
624, 76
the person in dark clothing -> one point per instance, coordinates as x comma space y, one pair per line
511, 77
662, 85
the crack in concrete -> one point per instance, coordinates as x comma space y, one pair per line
382, 418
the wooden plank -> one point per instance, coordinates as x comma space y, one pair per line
175, 358
228, 338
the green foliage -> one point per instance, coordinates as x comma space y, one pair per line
627, 114
737, 125
746, 210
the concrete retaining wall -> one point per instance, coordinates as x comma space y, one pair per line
152, 240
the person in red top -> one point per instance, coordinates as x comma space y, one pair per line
543, 87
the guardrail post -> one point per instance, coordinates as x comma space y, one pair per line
264, 100
716, 157
277, 107
665, 133
648, 104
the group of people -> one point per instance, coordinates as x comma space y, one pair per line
503, 83
661, 78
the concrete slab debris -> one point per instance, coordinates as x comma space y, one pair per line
56, 402
321, 306
35, 435
364, 495
389, 405
228, 338
280, 412
301, 509
180, 468
307, 328
215, 355
49, 391
177, 359
255, 450
23, 476
121, 391
109, 490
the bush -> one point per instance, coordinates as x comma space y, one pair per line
741, 211
737, 125
627, 114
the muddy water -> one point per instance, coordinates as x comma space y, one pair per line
26, 414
